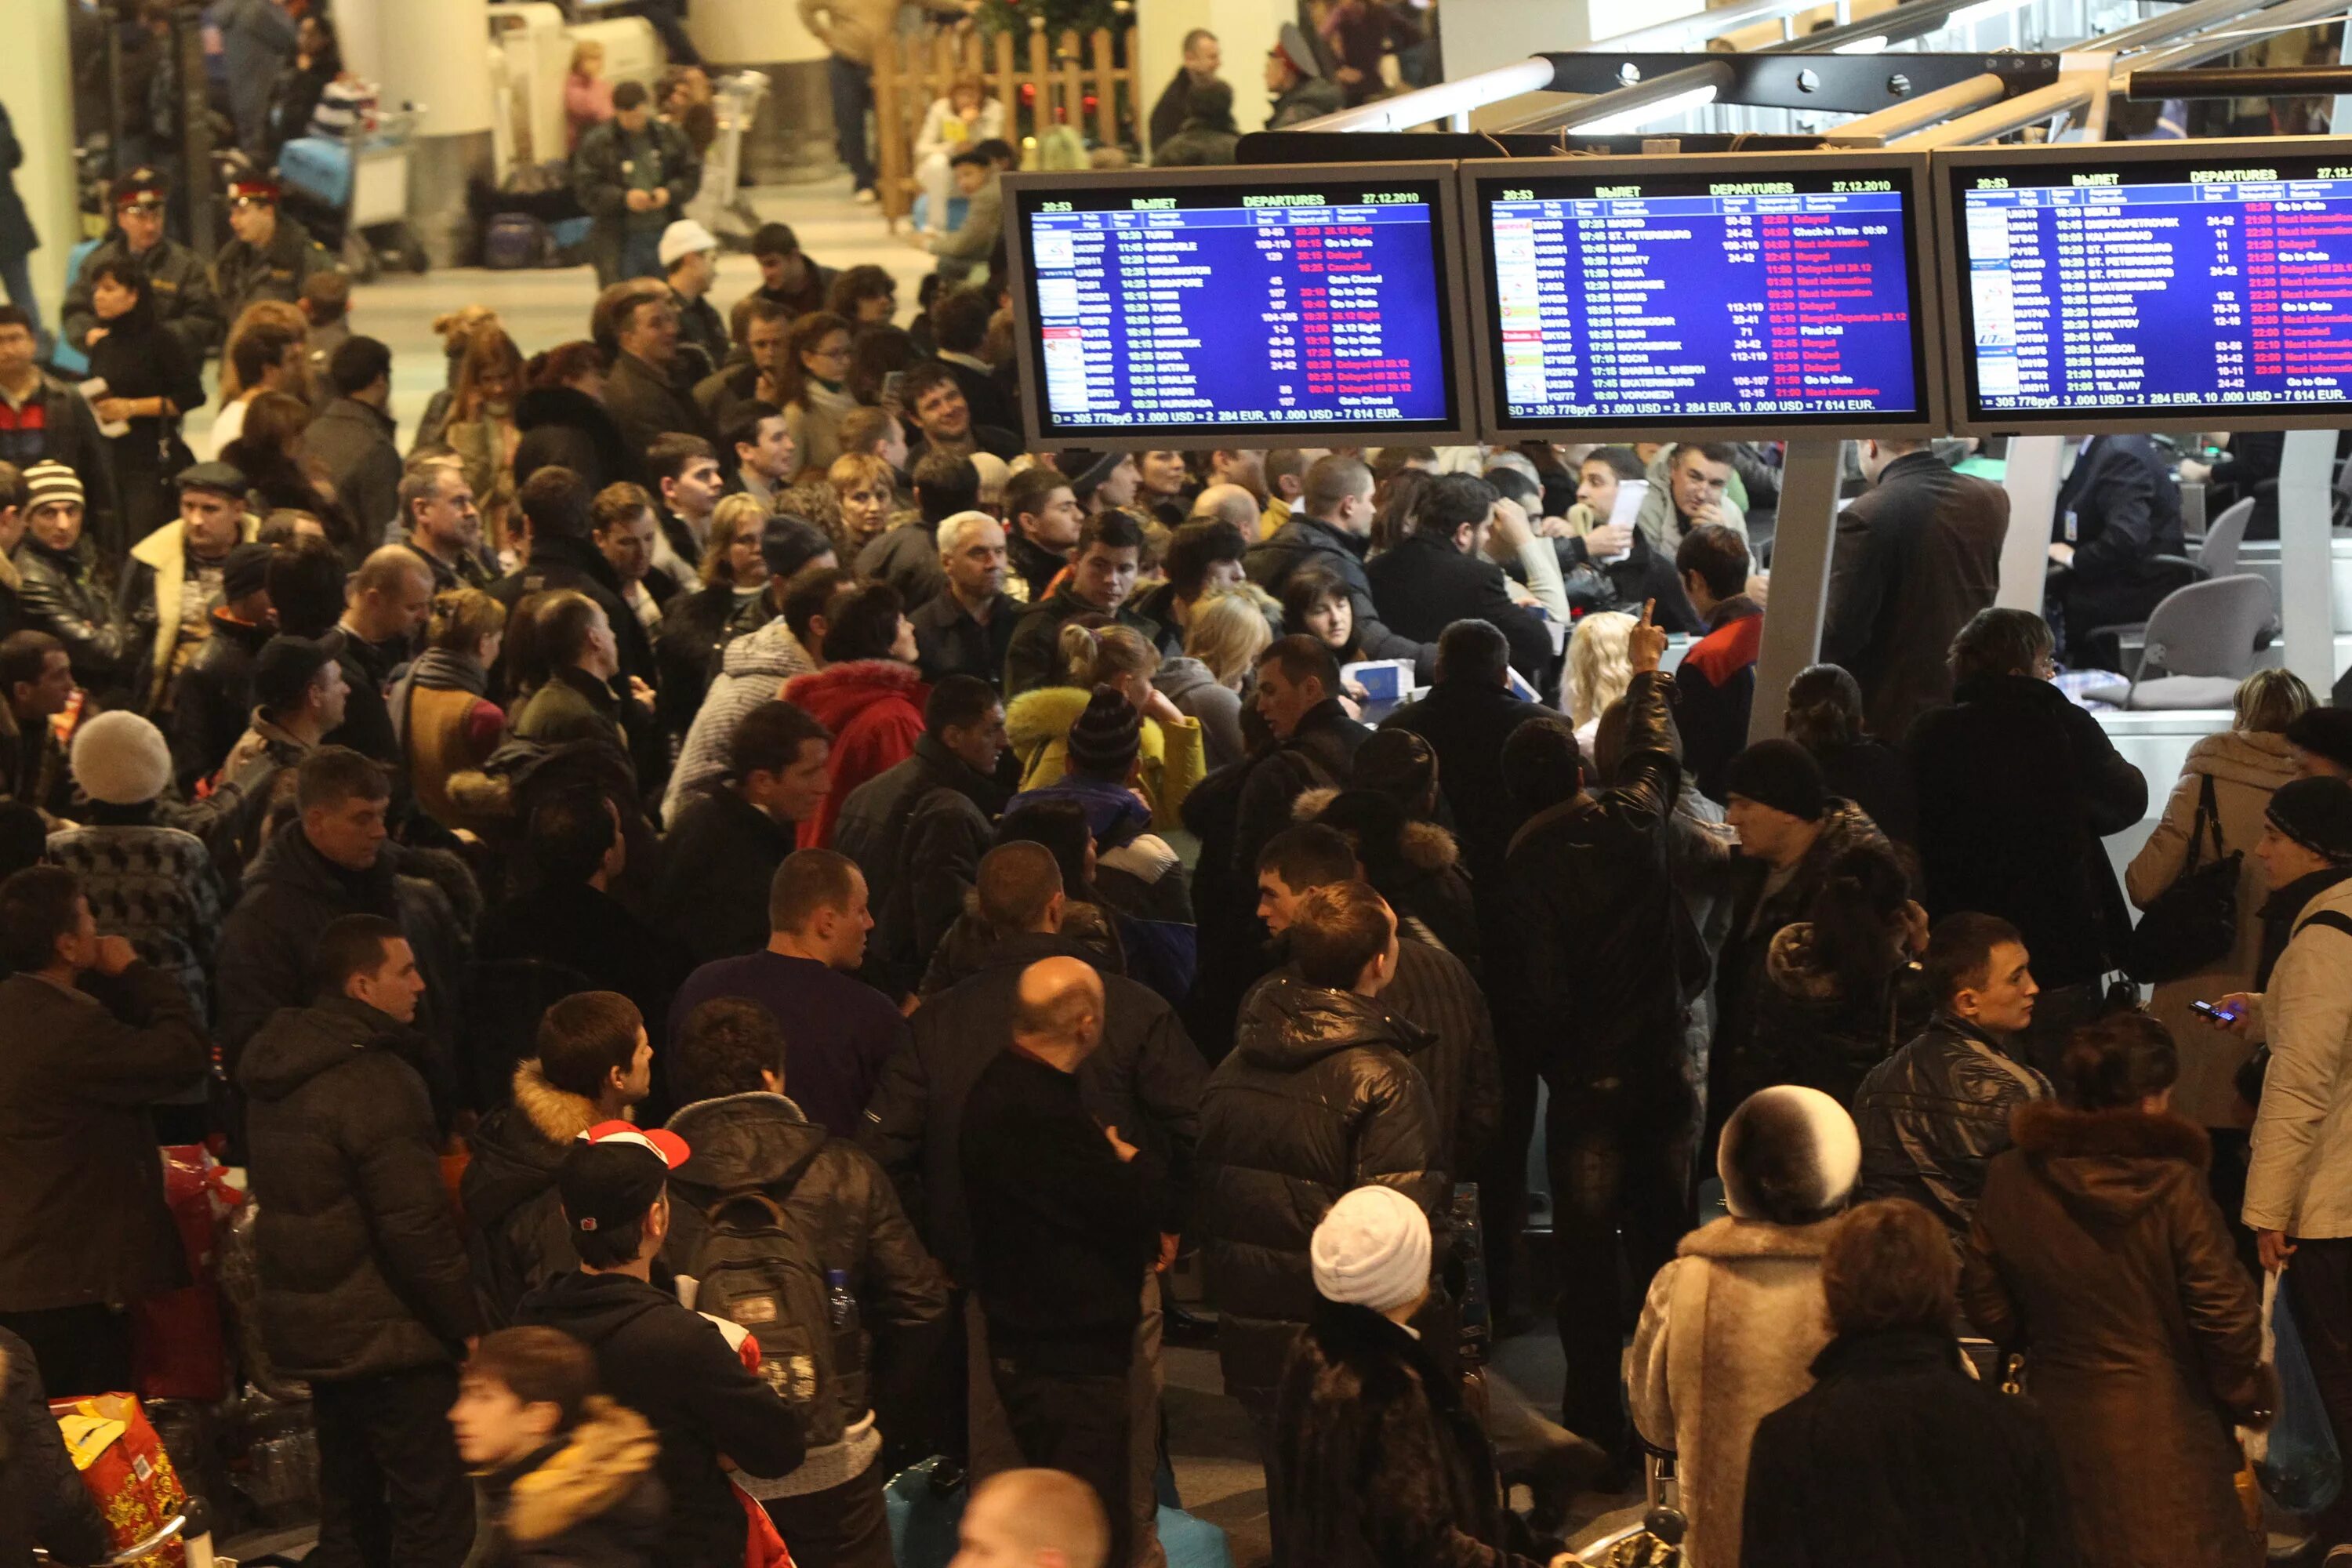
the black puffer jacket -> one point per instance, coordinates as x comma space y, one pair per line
42, 1500
292, 891
515, 1233
1145, 1079
834, 1193
1317, 1098
1934, 1114
1379, 1463
1809, 1032
363, 1271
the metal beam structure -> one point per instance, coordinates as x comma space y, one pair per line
1848, 84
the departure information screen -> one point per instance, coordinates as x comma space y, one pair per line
2185, 284
1235, 307
1688, 299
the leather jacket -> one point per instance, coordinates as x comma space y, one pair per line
62, 596
1934, 1114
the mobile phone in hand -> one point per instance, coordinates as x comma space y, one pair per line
2228, 1014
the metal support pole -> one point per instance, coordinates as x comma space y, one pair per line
1801, 544
2034, 462
2306, 567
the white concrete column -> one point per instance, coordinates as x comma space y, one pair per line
2031, 482
2306, 563
1801, 544
36, 84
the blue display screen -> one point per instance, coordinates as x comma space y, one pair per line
1234, 307
1686, 299
2166, 285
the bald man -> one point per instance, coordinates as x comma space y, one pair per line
1032, 1519
1063, 1215
1228, 503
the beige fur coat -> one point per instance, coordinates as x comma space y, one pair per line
1727, 1335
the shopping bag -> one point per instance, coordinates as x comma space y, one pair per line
2302, 1469
179, 1350
123, 1464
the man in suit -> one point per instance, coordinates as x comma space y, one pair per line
1917, 555
2118, 511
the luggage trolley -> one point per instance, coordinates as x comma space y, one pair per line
348, 188
718, 205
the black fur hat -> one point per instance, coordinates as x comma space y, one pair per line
1789, 1156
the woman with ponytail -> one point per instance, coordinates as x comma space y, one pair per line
2097, 1251
1843, 987
1091, 651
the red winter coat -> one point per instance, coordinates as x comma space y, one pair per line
875, 709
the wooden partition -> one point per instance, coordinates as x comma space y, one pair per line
1041, 83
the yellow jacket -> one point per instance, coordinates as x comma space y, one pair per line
1169, 761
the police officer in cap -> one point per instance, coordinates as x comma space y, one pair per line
185, 305
271, 254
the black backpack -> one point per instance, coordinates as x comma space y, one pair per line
759, 1271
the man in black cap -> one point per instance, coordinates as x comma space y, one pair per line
174, 580
185, 305
271, 255
2321, 739
215, 696
1790, 830
673, 1366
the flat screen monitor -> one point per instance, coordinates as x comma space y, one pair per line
2151, 286
1193, 307
1704, 296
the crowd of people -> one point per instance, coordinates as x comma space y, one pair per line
740, 924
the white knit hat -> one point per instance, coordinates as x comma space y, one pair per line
121, 759
1372, 1250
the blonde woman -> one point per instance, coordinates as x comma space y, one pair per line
1169, 761
2242, 766
481, 427
1599, 668
862, 484
268, 350
441, 711
587, 96
1226, 632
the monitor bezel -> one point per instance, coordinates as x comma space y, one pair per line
1927, 307
1460, 428
1952, 164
